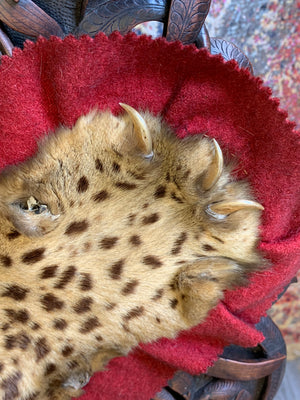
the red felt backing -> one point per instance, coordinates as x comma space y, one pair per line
53, 82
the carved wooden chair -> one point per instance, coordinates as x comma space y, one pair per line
240, 373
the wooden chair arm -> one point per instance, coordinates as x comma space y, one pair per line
26, 17
244, 374
6, 45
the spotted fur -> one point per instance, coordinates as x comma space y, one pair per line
97, 238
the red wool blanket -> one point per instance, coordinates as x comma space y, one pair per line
54, 82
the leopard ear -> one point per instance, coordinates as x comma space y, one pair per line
139, 138
30, 217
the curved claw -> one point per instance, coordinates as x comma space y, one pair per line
141, 129
222, 209
215, 169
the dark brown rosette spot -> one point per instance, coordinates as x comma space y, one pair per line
6, 261
110, 306
20, 340
33, 256
65, 277
131, 218
41, 349
135, 240
160, 192
116, 167
108, 242
134, 313
13, 235
77, 227
178, 243
35, 326
116, 269
82, 184
152, 261
67, 351
100, 196
150, 219
158, 294
83, 305
17, 315
173, 303
15, 292
85, 282
208, 247
99, 165
9, 386
50, 368
50, 302
90, 324
176, 198
49, 272
218, 239
60, 324
130, 287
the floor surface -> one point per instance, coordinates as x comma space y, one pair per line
290, 387
268, 31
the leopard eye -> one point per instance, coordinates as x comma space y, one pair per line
33, 205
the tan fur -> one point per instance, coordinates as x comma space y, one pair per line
123, 250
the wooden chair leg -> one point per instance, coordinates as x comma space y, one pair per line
239, 374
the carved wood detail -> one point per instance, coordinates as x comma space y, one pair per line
230, 52
6, 45
120, 15
203, 39
26, 17
186, 18
163, 395
83, 8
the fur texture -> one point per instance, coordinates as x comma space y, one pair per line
103, 248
